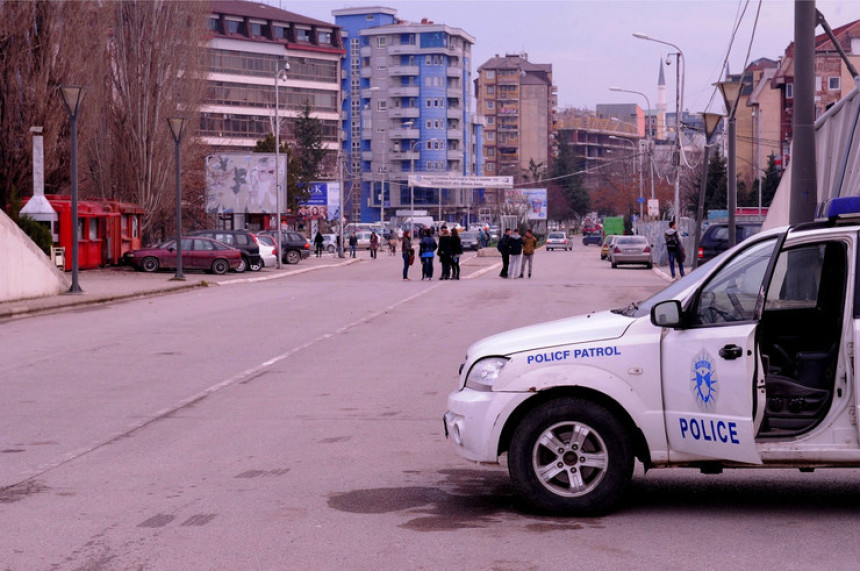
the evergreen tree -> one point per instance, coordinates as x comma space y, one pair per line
563, 169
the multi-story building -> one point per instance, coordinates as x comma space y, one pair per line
406, 109
833, 79
519, 101
249, 42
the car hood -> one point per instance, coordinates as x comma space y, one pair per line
583, 328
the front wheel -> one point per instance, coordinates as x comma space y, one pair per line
571, 456
149, 265
256, 266
330, 249
243, 265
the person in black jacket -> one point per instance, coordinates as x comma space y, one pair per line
445, 253
456, 252
426, 249
515, 249
505, 248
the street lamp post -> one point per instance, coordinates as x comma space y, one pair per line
177, 128
731, 91
679, 98
711, 120
648, 137
280, 73
72, 95
634, 155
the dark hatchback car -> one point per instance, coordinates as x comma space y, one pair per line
243, 241
715, 239
294, 246
198, 253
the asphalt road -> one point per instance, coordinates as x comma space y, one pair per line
297, 423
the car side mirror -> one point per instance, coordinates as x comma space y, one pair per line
667, 314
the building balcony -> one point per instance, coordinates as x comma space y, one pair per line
404, 112
454, 113
366, 51
404, 91
454, 155
367, 155
401, 70
404, 134
402, 49
409, 155
456, 134
454, 71
454, 92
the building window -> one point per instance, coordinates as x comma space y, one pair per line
429, 124
324, 38
215, 24
280, 32
834, 83
303, 35
381, 41
233, 26
491, 89
256, 29
382, 105
490, 167
789, 91
491, 74
491, 136
491, 120
427, 59
491, 104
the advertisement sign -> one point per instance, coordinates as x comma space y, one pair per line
323, 202
455, 181
242, 183
531, 201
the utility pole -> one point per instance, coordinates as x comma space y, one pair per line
804, 190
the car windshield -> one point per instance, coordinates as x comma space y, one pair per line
557, 236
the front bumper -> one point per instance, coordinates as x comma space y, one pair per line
474, 422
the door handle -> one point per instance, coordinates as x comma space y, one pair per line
731, 352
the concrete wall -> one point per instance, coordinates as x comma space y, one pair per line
25, 270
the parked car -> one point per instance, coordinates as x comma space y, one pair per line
469, 240
558, 241
330, 243
607, 243
715, 239
294, 247
198, 253
242, 240
595, 238
268, 250
630, 250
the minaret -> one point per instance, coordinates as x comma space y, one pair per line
661, 104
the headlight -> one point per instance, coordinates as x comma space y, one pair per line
484, 373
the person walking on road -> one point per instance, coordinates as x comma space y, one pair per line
445, 252
353, 242
515, 248
529, 247
318, 244
374, 244
674, 249
456, 252
504, 247
407, 252
426, 249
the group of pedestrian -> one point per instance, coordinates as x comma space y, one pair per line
449, 248
517, 252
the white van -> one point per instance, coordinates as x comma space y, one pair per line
748, 362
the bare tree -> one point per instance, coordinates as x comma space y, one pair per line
155, 70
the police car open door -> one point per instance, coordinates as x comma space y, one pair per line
711, 368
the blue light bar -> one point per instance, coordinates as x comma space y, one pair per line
842, 207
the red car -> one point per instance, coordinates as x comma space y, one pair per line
198, 253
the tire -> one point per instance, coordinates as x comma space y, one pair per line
293, 257
649, 265
571, 426
614, 265
149, 264
330, 249
256, 267
243, 265
220, 266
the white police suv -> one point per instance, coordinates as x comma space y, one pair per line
746, 362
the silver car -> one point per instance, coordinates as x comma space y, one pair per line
558, 241
630, 250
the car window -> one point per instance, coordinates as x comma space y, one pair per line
187, 244
631, 240
798, 274
731, 293
203, 245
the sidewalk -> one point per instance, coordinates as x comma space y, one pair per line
122, 283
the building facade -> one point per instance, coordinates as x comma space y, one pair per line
249, 43
519, 101
406, 108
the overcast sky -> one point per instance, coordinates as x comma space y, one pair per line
590, 43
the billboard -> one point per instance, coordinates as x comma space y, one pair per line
457, 181
532, 201
242, 183
323, 202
